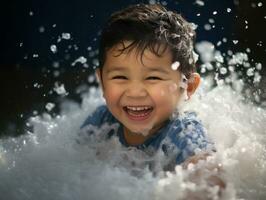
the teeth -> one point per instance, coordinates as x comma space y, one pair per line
138, 108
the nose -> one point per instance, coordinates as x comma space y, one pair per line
136, 90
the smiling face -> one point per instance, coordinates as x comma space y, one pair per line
141, 95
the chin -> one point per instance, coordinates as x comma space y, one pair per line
143, 131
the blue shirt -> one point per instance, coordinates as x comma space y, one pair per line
180, 138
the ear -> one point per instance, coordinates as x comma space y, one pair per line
193, 84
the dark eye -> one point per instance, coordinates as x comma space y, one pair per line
153, 78
119, 77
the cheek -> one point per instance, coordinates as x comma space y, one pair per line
167, 90
111, 95
174, 91
173, 88
160, 92
167, 94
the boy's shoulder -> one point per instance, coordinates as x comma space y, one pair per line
184, 124
185, 135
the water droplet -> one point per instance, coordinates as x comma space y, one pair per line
41, 29
223, 70
231, 68
53, 48
175, 65
195, 56
200, 3
60, 89
258, 66
91, 78
56, 64
250, 72
203, 70
164, 3
207, 27
219, 58
95, 61
152, 2
49, 106
209, 66
257, 78
211, 20
81, 60
218, 43
56, 73
66, 36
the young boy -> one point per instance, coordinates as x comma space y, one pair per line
147, 68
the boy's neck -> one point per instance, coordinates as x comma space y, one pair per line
134, 138
137, 138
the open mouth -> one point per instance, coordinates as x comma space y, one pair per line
138, 112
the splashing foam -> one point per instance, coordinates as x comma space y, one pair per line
57, 161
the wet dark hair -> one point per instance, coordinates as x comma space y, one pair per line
150, 26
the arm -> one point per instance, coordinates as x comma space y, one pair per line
205, 166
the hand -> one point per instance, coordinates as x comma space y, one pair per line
202, 171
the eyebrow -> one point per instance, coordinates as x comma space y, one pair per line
150, 69
158, 69
116, 68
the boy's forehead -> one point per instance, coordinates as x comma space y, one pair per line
148, 58
160, 48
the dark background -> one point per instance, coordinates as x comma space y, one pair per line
29, 69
